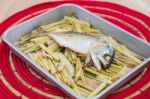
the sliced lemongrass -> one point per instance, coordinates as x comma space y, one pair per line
101, 71
66, 52
131, 52
58, 77
43, 62
98, 89
116, 66
95, 72
73, 84
90, 30
53, 47
52, 66
34, 48
69, 55
73, 55
83, 23
46, 64
79, 66
28, 37
121, 73
54, 24
83, 77
103, 79
115, 70
41, 39
118, 62
85, 86
38, 60
83, 90
83, 93
64, 79
47, 50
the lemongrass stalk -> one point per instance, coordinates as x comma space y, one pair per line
99, 89
77, 27
41, 39
29, 46
90, 30
52, 66
76, 89
58, 77
54, 24
53, 29
78, 69
83, 93
78, 74
83, 90
120, 49
110, 72
73, 55
97, 73
64, 79
30, 56
53, 47
101, 71
85, 86
46, 64
66, 52
34, 48
28, 37
83, 23
24, 39
43, 62
91, 71
47, 50
59, 49
69, 55
131, 52
67, 76
116, 66
118, 62
63, 25
102, 79
64, 74
38, 60
83, 77
114, 69
73, 84
39, 29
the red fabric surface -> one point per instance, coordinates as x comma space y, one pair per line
111, 12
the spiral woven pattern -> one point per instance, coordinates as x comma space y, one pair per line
17, 80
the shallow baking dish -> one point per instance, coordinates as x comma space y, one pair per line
135, 44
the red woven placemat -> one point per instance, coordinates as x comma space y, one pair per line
17, 80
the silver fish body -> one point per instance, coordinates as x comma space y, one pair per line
86, 44
78, 42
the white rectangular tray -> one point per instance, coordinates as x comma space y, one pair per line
137, 45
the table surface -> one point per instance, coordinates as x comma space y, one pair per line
9, 7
